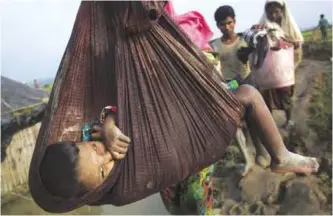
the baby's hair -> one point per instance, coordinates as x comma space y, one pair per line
58, 170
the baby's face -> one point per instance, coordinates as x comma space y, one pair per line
94, 165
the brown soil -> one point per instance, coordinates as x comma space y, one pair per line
262, 192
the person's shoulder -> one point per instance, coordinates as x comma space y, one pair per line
240, 34
215, 44
215, 41
212, 56
242, 38
211, 53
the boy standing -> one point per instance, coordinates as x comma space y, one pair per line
323, 26
234, 53
232, 48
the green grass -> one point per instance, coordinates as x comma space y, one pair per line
47, 87
308, 35
24, 110
320, 108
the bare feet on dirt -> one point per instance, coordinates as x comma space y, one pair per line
263, 160
244, 169
296, 163
288, 125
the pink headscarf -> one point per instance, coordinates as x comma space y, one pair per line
194, 25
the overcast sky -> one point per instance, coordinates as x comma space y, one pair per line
35, 33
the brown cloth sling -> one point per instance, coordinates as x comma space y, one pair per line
132, 55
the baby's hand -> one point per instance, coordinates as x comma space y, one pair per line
115, 141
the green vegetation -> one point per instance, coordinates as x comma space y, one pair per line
320, 121
320, 109
47, 87
24, 111
311, 35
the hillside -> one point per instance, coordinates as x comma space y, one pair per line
42, 81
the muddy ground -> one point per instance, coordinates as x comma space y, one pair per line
262, 192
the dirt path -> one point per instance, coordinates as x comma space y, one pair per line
24, 205
264, 192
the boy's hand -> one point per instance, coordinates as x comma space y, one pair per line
243, 54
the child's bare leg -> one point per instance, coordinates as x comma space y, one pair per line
249, 161
258, 114
262, 156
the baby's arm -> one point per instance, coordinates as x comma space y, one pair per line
114, 140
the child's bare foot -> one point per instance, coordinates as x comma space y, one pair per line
249, 159
263, 161
288, 125
263, 158
244, 169
296, 163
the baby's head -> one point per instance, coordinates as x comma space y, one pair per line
71, 169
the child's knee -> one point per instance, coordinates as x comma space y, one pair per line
246, 94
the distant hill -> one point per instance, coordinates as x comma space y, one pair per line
15, 95
42, 82
21, 107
